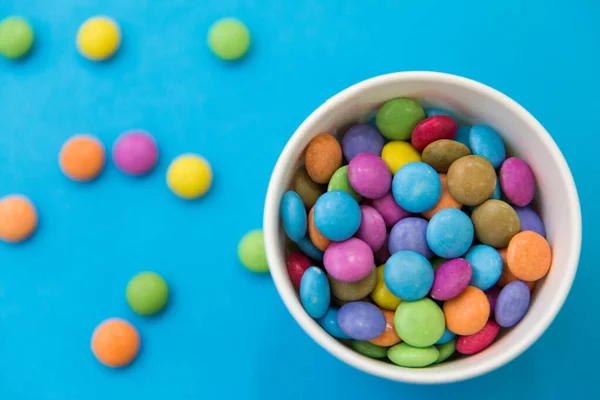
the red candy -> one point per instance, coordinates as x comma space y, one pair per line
431, 129
475, 343
297, 263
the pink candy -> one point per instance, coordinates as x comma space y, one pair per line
389, 209
372, 229
517, 181
135, 153
431, 129
472, 344
348, 261
369, 175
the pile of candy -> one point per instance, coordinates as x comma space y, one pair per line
442, 211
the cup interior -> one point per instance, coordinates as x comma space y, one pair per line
472, 103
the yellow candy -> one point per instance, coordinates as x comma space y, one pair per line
396, 154
98, 38
189, 176
382, 296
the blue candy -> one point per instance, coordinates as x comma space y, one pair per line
446, 337
497, 193
408, 275
432, 112
450, 233
310, 249
314, 292
410, 234
485, 142
462, 135
330, 324
416, 187
486, 264
337, 215
293, 215
512, 304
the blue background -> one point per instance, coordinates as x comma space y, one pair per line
226, 334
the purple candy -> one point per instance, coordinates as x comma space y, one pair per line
512, 304
362, 138
348, 261
372, 229
369, 175
382, 255
492, 296
530, 220
389, 209
450, 279
410, 234
361, 320
517, 181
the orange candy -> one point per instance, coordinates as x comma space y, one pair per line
389, 337
446, 200
320, 241
323, 157
528, 256
115, 343
467, 313
82, 158
18, 218
507, 277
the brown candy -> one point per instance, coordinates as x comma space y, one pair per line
495, 223
307, 189
471, 180
442, 153
323, 157
355, 290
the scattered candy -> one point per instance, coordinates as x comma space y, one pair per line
408, 275
416, 187
517, 181
362, 138
406, 355
293, 215
485, 142
229, 39
98, 38
495, 223
147, 293
16, 37
323, 157
352, 291
251, 251
419, 323
314, 292
512, 304
82, 158
397, 118
18, 218
135, 153
189, 176
410, 234
369, 176
115, 343
339, 181
361, 320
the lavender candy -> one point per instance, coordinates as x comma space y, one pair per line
530, 220
361, 320
410, 234
512, 304
362, 138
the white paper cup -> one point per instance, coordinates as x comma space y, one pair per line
473, 103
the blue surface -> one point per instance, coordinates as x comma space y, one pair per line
226, 334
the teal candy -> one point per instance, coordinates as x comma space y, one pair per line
450, 233
330, 324
337, 215
309, 249
485, 142
417, 187
314, 292
293, 216
486, 264
446, 337
462, 135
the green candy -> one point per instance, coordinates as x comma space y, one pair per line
446, 350
251, 251
407, 356
147, 293
369, 349
16, 37
340, 181
229, 39
437, 261
419, 323
397, 118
